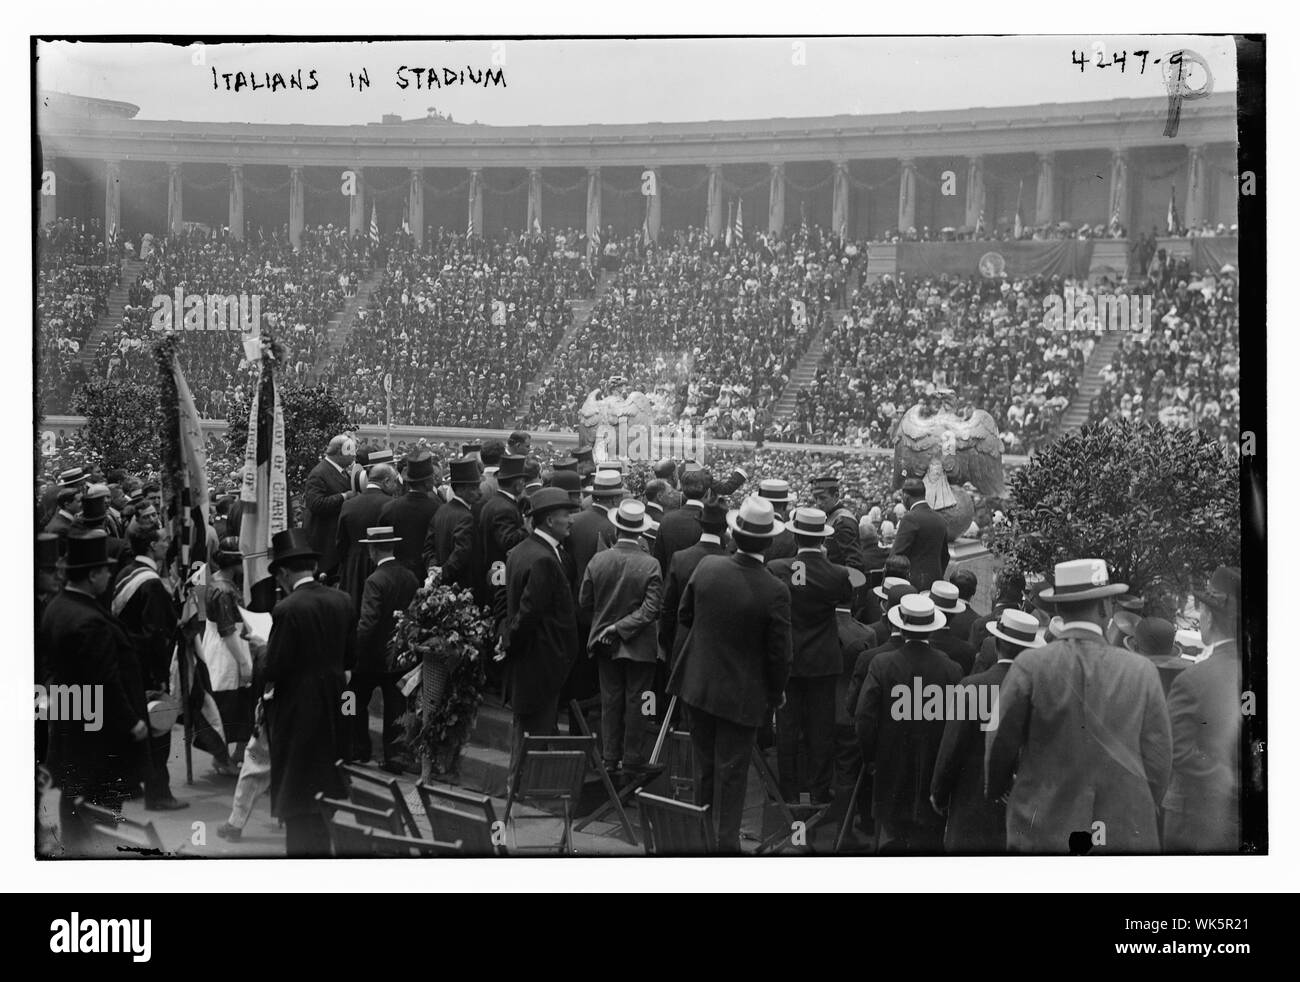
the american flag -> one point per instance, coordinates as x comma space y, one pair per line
374, 225
1171, 220
740, 221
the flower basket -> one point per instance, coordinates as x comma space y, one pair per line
444, 634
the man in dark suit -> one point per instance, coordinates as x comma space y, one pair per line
922, 536
453, 543
713, 526
357, 515
328, 485
411, 515
734, 662
777, 491
592, 528
976, 825
842, 548
501, 528
944, 595
96, 750
805, 725
1205, 710
143, 605
902, 747
389, 589
680, 528
71, 484
848, 755
540, 634
966, 583
309, 656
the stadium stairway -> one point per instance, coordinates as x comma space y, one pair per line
109, 320
339, 327
805, 371
1076, 413
581, 314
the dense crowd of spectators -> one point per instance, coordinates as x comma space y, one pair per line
1002, 233
714, 331
461, 325
74, 278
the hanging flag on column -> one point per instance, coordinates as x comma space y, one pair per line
1019, 227
593, 243
406, 218
374, 225
803, 219
731, 223
473, 192
645, 223
740, 221
979, 223
185, 468
264, 493
1172, 223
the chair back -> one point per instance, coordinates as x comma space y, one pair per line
347, 839
461, 815
675, 828
681, 766
551, 775
386, 820
389, 846
372, 791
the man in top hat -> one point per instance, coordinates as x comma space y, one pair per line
843, 547
501, 526
895, 573
1201, 807
805, 724
94, 515
680, 528
327, 487
734, 661
453, 543
619, 598
977, 825
411, 515
142, 603
585, 456
568, 482
539, 637
902, 747
357, 515
922, 536
82, 645
309, 656
713, 526
949, 603
388, 589
1083, 733
777, 491
593, 528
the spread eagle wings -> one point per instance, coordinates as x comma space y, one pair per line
969, 448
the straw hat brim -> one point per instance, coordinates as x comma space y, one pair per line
1038, 641
1050, 596
733, 516
896, 618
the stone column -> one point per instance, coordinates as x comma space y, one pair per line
715, 200
175, 199
416, 205
112, 201
357, 204
1118, 189
297, 207
907, 194
475, 224
534, 199
776, 200
975, 192
654, 208
1195, 209
235, 214
50, 201
593, 205
1045, 202
840, 200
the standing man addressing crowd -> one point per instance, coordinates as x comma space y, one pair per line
328, 485
922, 537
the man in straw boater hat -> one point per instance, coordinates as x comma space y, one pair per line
309, 657
411, 514
949, 603
388, 589
97, 753
453, 543
902, 743
976, 824
1205, 709
619, 599
778, 492
734, 662
539, 636
805, 725
1083, 733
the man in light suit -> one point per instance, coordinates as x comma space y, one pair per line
922, 537
328, 485
1083, 733
734, 662
1201, 807
807, 721
619, 598
540, 632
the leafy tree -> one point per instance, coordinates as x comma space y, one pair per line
311, 417
123, 422
1160, 505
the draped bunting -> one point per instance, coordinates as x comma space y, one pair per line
486, 186
715, 203
564, 189
809, 188
683, 188
861, 185
1060, 257
734, 188
840, 201
449, 191
776, 200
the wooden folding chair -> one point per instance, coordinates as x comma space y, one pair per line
682, 778
675, 828
615, 799
459, 815
347, 839
386, 821
545, 777
781, 838
388, 846
381, 793
586, 743
109, 835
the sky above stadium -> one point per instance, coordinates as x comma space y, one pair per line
573, 82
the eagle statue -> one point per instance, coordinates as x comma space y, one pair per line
947, 449
600, 416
